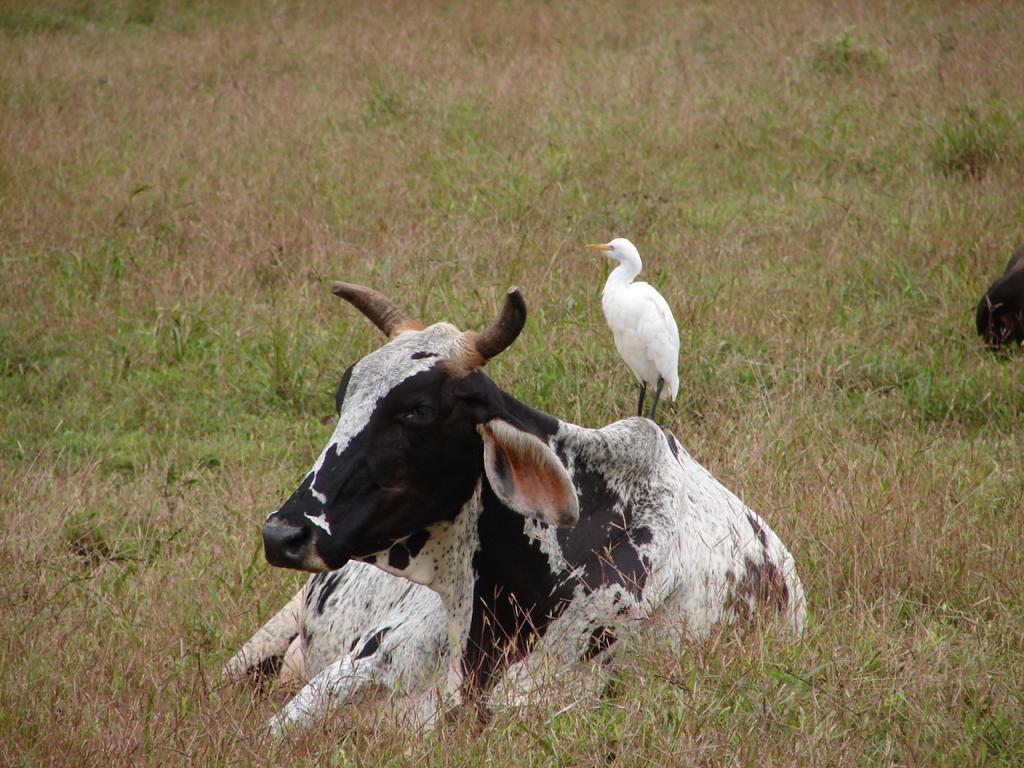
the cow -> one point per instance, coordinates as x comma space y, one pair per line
544, 543
1000, 315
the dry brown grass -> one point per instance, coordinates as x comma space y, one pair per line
822, 192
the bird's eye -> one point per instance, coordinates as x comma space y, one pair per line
416, 414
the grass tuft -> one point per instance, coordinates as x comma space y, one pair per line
846, 54
971, 140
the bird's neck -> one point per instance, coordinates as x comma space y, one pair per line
623, 274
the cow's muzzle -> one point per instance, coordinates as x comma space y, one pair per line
287, 545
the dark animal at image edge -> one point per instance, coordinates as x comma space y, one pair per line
436, 475
1000, 314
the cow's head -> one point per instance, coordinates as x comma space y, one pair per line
418, 425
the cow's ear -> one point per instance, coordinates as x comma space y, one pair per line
527, 476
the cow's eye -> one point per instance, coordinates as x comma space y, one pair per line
416, 414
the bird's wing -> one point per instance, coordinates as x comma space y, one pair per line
657, 314
659, 327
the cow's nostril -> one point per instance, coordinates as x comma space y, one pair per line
285, 545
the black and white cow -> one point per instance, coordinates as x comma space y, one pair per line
540, 540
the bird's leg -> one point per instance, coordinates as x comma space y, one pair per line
640, 402
657, 393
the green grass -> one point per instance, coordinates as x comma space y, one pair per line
822, 197
846, 55
970, 140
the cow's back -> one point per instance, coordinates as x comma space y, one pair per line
723, 563
674, 547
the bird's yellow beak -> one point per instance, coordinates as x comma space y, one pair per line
595, 247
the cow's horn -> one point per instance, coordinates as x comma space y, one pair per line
381, 310
505, 329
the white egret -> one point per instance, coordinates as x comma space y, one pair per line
642, 324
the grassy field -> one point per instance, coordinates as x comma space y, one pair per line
822, 193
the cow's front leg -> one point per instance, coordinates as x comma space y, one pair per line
404, 656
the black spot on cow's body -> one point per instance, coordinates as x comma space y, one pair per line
604, 544
370, 646
398, 557
761, 584
339, 394
417, 541
327, 587
758, 531
313, 587
601, 639
673, 444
